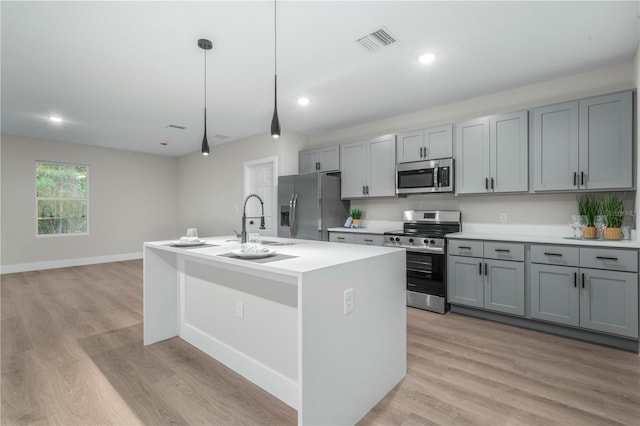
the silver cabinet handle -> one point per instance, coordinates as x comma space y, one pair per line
293, 206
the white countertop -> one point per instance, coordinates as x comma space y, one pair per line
542, 234
372, 227
310, 255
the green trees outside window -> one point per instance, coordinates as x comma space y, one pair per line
61, 191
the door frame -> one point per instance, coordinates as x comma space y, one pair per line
246, 186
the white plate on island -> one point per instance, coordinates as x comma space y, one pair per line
187, 243
265, 252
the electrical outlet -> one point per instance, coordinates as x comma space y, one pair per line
239, 310
348, 301
504, 218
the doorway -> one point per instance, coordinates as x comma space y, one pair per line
261, 178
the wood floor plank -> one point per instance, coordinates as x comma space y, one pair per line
72, 354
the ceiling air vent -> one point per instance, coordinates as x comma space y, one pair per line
377, 39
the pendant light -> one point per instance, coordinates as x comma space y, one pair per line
275, 123
205, 45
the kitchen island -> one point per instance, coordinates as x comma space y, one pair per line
322, 326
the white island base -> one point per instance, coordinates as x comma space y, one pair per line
282, 323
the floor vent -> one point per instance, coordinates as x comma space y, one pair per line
377, 39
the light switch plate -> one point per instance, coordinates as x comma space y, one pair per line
348, 301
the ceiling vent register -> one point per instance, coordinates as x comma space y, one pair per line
377, 39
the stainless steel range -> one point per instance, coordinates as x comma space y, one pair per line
424, 238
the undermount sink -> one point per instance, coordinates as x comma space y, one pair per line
275, 243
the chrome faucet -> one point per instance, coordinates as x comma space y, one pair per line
243, 234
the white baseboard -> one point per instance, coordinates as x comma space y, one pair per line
65, 263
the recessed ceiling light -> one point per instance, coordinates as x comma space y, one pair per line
427, 58
303, 101
55, 119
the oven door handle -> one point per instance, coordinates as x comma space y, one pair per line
428, 273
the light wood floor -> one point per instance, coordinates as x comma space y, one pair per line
72, 354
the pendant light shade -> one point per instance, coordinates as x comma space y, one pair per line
275, 122
205, 45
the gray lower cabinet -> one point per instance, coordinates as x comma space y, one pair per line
492, 279
554, 294
504, 286
465, 282
609, 301
565, 289
357, 238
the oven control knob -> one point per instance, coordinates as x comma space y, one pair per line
410, 240
397, 239
425, 241
391, 239
432, 242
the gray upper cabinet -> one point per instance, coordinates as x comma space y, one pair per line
472, 156
509, 144
353, 169
584, 144
492, 154
605, 152
369, 168
324, 159
426, 144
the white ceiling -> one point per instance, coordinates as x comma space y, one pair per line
121, 72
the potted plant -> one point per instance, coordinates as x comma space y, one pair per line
612, 207
589, 206
356, 215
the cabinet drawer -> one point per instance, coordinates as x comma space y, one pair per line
468, 248
369, 239
617, 260
341, 237
504, 251
555, 255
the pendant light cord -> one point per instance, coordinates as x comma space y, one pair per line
275, 37
205, 80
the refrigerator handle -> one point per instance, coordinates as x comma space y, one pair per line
293, 207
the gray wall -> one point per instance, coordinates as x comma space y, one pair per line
528, 208
210, 189
132, 200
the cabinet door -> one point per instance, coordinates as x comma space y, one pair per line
465, 281
329, 158
307, 161
353, 169
438, 142
411, 146
381, 166
509, 152
504, 286
609, 302
555, 147
554, 294
472, 156
605, 142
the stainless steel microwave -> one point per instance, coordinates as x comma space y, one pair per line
422, 177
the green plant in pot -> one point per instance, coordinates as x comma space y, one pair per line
356, 215
589, 206
612, 207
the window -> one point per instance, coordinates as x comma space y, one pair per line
61, 191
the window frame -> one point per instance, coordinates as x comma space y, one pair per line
60, 163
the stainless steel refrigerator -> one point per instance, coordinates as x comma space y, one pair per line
308, 205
